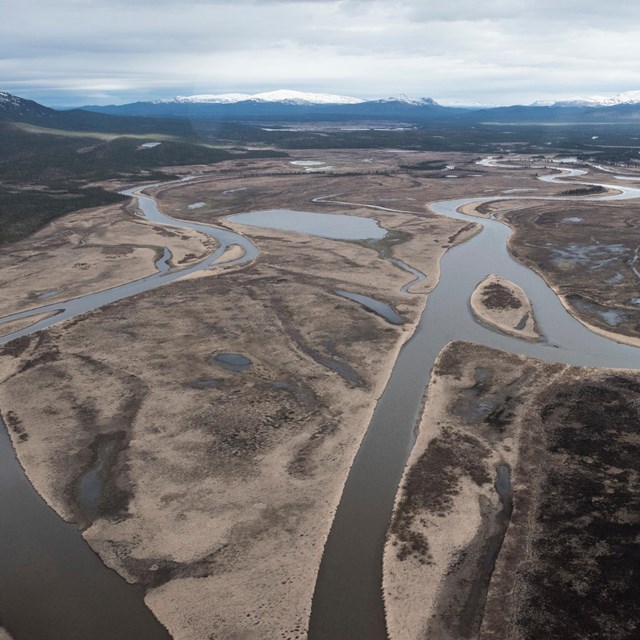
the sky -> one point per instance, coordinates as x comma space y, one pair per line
76, 52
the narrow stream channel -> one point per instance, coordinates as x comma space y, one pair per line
67, 309
470, 620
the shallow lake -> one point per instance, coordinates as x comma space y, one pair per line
325, 225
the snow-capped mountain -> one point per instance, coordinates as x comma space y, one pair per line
628, 97
181, 114
404, 99
280, 104
8, 100
282, 96
13, 106
221, 98
465, 104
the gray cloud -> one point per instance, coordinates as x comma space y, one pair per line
496, 51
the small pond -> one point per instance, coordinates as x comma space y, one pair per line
230, 361
378, 307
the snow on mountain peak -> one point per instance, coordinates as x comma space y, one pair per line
224, 98
282, 95
7, 99
628, 97
10, 104
416, 102
290, 97
300, 97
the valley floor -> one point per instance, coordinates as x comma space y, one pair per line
218, 486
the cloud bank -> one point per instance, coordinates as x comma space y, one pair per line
494, 51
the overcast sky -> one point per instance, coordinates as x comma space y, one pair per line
66, 52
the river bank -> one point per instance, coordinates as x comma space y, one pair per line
86, 252
587, 253
446, 504
346, 602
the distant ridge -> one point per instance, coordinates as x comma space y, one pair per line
284, 96
280, 104
628, 97
21, 110
178, 115
286, 105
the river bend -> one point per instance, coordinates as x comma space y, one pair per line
347, 603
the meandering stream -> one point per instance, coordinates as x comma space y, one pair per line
68, 309
347, 603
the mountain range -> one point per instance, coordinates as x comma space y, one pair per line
282, 96
628, 97
173, 115
288, 105
280, 104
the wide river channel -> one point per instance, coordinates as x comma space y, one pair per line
53, 586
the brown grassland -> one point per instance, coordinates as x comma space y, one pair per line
220, 486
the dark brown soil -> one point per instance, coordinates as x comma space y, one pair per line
584, 191
16, 347
433, 482
497, 296
116, 490
569, 565
582, 580
15, 424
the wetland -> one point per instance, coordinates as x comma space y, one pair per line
185, 489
